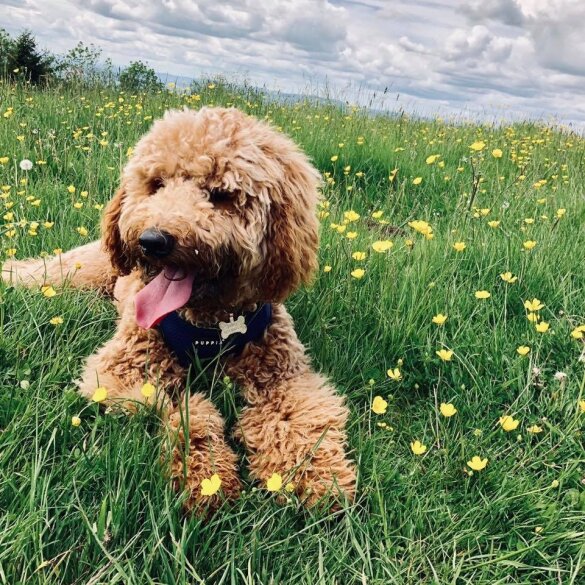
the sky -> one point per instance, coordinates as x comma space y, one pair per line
486, 59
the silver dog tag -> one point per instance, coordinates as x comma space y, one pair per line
231, 327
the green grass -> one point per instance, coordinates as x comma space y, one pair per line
88, 504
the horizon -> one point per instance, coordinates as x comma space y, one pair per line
497, 60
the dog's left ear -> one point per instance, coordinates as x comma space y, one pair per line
111, 238
292, 235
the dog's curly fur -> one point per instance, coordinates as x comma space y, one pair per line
240, 200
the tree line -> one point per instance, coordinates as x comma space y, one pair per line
21, 59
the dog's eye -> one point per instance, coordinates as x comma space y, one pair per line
155, 184
220, 196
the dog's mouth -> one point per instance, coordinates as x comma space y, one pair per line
167, 292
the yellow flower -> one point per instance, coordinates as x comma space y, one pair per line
482, 294
533, 305
327, 268
459, 246
529, 244
334, 158
432, 159
422, 227
494, 223
477, 146
78, 205
75, 421
359, 255
417, 181
358, 273
290, 487
445, 354
418, 448
82, 231
497, 153
100, 394
477, 463
210, 486
542, 327
578, 332
394, 374
561, 212
351, 215
379, 405
351, 235
71, 189
439, 319
147, 390
507, 277
382, 246
56, 321
582, 405
447, 409
48, 291
509, 423
523, 350
534, 429
274, 482
377, 214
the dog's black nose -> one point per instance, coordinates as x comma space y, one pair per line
156, 243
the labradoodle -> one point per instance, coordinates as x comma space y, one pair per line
213, 227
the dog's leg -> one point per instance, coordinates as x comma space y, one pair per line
135, 356
84, 267
198, 451
295, 423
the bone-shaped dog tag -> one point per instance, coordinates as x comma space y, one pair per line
231, 327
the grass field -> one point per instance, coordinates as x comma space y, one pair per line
88, 504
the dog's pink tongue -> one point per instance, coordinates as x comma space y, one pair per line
169, 291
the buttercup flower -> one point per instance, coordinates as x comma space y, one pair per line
507, 277
509, 423
417, 181
534, 429
497, 153
382, 246
533, 305
48, 291
359, 255
439, 319
542, 327
351, 215
523, 350
482, 294
477, 146
56, 321
418, 448
447, 409
210, 486
75, 421
274, 482
379, 405
100, 394
529, 244
394, 374
445, 354
358, 273
477, 463
459, 246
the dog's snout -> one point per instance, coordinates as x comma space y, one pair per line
156, 243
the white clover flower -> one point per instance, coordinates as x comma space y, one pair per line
26, 165
560, 376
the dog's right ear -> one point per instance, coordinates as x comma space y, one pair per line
111, 238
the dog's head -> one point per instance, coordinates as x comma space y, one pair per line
219, 196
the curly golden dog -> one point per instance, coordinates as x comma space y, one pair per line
213, 227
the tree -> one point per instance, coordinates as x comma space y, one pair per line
80, 64
138, 76
6, 52
36, 66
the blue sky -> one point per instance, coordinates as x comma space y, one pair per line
475, 58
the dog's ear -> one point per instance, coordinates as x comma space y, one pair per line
292, 233
111, 239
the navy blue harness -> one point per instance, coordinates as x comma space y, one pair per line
187, 340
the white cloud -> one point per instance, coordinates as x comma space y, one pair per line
483, 55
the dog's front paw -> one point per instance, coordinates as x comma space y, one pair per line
201, 463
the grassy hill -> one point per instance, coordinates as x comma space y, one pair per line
418, 217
